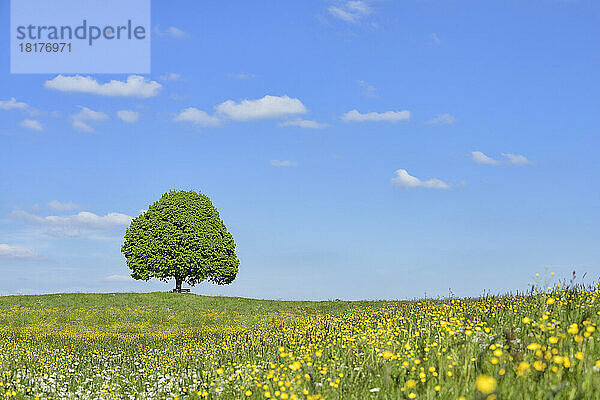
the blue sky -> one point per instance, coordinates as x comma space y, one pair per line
355, 149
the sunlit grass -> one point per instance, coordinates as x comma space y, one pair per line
163, 345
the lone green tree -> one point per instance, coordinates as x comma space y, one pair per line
181, 236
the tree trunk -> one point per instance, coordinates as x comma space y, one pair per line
178, 281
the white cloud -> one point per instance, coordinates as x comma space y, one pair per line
388, 116
81, 119
445, 118
404, 180
197, 117
91, 115
244, 76
435, 40
304, 123
119, 278
176, 32
516, 159
63, 206
283, 163
171, 31
82, 126
12, 104
351, 11
135, 86
8, 251
266, 107
32, 124
81, 220
171, 76
342, 14
358, 6
366, 89
481, 158
128, 116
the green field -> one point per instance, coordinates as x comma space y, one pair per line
165, 345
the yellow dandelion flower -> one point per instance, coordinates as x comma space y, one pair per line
573, 329
522, 368
539, 365
485, 384
533, 346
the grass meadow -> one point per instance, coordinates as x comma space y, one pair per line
542, 345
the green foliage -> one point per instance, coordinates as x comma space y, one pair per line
181, 236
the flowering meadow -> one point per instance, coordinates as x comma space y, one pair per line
184, 346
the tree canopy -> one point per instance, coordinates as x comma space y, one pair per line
181, 236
